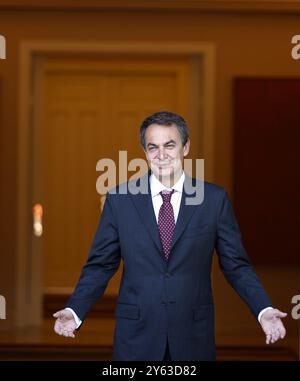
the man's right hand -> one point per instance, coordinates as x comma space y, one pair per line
65, 324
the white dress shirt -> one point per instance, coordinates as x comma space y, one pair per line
156, 187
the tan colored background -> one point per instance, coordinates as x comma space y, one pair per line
247, 44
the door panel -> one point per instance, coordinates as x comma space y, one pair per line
91, 109
266, 177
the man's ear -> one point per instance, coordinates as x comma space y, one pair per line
186, 148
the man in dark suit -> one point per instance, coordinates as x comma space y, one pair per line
165, 307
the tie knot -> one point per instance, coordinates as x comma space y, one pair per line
166, 195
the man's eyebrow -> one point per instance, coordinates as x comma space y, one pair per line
170, 142
165, 144
151, 144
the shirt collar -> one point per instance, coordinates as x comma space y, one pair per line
156, 186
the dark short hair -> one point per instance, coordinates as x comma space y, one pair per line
165, 118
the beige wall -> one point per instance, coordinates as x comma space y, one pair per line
246, 45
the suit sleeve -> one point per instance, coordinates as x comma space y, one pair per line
234, 261
102, 263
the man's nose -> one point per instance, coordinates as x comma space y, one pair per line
162, 154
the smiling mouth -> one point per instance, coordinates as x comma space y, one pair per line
164, 166
161, 166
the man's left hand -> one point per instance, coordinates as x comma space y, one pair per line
272, 325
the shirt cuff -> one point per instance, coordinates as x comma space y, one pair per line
262, 311
76, 318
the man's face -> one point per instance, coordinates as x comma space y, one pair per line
165, 152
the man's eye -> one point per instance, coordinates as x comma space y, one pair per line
170, 147
151, 149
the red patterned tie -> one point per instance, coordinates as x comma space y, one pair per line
166, 222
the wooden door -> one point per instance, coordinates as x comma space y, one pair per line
90, 109
266, 175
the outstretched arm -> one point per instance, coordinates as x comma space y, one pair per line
103, 261
238, 270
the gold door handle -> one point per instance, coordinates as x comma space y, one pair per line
37, 211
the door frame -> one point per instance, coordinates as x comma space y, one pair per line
28, 287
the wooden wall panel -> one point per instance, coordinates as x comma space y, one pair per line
246, 45
266, 173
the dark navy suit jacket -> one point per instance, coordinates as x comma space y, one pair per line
161, 300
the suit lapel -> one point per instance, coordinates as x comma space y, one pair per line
184, 216
144, 206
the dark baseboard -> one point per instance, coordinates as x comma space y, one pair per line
23, 352
255, 353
